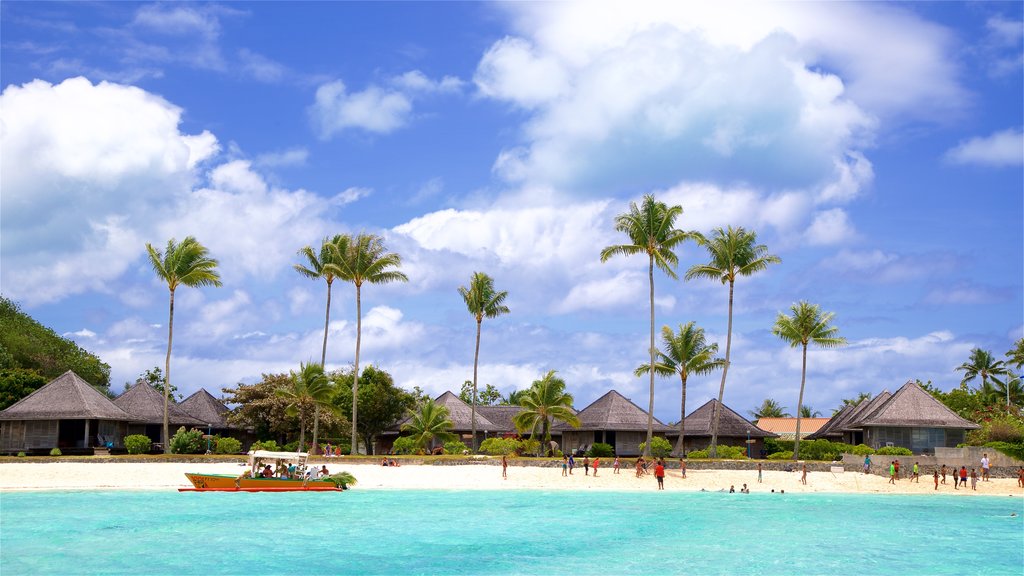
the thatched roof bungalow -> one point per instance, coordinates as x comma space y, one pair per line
210, 411
612, 419
146, 406
66, 413
733, 430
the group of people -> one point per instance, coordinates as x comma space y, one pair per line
391, 462
569, 463
292, 472
329, 451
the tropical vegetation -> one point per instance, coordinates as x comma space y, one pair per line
545, 402
483, 301
308, 390
428, 424
769, 408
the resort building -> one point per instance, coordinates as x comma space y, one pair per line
786, 427
212, 413
611, 419
733, 430
66, 413
491, 421
146, 407
911, 418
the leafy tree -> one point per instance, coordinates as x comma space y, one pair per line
734, 252
808, 412
28, 345
982, 363
807, 325
963, 400
685, 352
364, 259
514, 397
155, 378
769, 409
1015, 355
489, 396
545, 401
482, 301
260, 408
322, 265
651, 231
308, 388
429, 423
16, 383
861, 396
184, 264
381, 403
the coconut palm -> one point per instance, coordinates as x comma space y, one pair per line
428, 423
982, 363
482, 301
808, 412
307, 390
322, 266
651, 231
684, 353
359, 260
184, 264
734, 252
769, 409
806, 325
1015, 355
545, 401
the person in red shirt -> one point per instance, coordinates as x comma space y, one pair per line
963, 476
659, 473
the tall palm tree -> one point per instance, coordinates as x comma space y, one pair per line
806, 325
651, 231
1015, 355
482, 301
428, 423
734, 252
545, 401
184, 264
322, 266
364, 259
515, 397
308, 389
982, 363
1011, 390
769, 409
684, 353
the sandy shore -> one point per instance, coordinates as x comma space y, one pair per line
166, 476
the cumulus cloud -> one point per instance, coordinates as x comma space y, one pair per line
830, 227
289, 157
1000, 149
260, 67
415, 80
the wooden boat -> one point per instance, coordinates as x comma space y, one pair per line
251, 481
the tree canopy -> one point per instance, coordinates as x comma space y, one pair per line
381, 403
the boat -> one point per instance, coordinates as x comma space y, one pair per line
252, 479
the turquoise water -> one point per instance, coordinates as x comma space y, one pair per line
507, 532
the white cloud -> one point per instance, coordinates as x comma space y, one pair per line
350, 195
886, 267
830, 227
289, 157
417, 81
1003, 148
512, 70
965, 293
260, 67
374, 109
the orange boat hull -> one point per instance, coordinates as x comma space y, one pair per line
226, 483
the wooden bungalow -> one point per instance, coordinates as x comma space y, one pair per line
733, 430
611, 419
841, 428
66, 413
911, 418
211, 412
146, 406
460, 413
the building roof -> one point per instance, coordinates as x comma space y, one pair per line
913, 407
787, 426
460, 414
828, 428
500, 416
613, 411
145, 404
203, 406
731, 424
861, 410
66, 397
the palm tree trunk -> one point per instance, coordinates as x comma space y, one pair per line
681, 444
323, 360
355, 375
650, 402
799, 406
167, 376
721, 388
476, 359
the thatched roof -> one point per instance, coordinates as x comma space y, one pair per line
460, 414
913, 407
204, 407
613, 411
66, 397
145, 404
861, 410
500, 416
730, 423
829, 427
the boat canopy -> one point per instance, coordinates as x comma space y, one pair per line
263, 455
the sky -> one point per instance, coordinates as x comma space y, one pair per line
876, 148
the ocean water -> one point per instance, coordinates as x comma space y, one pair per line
507, 532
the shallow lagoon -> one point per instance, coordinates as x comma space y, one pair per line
507, 532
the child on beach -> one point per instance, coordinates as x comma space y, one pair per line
594, 465
916, 477
936, 476
565, 465
943, 473
682, 468
892, 472
984, 467
1020, 477
758, 472
659, 473
586, 465
974, 479
615, 466
572, 463
867, 464
639, 466
504, 466
803, 478
963, 476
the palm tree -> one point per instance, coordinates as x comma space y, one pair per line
807, 325
307, 389
861, 396
651, 231
184, 264
808, 412
982, 363
515, 397
482, 301
769, 409
545, 401
428, 423
684, 353
364, 259
322, 265
734, 252
1015, 355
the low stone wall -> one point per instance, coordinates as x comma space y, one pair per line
926, 463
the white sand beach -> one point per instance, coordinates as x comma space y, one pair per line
166, 476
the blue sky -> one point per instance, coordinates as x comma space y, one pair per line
876, 148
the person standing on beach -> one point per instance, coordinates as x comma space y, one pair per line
615, 465
974, 479
984, 467
943, 473
803, 478
892, 472
867, 464
936, 476
659, 474
586, 465
963, 475
758, 472
1020, 477
504, 466
597, 461
572, 463
639, 466
917, 475
897, 463
682, 468
565, 465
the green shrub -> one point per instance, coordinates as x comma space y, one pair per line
21, 454
732, 452
601, 450
455, 447
698, 454
862, 450
894, 451
291, 446
1015, 450
784, 455
55, 452
405, 445
228, 446
268, 445
528, 447
138, 444
187, 442
660, 448
1000, 428
499, 446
